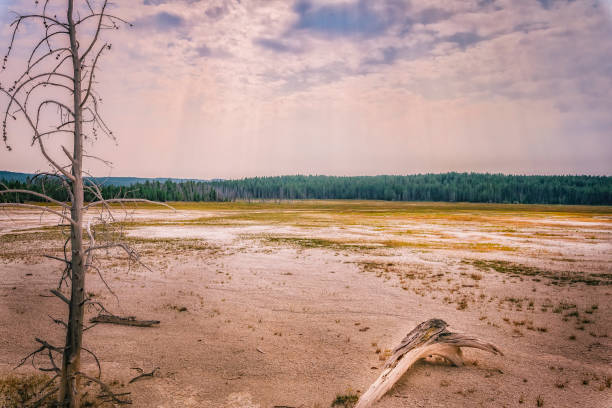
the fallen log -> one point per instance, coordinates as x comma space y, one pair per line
427, 339
126, 321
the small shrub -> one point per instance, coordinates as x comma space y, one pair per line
462, 305
346, 401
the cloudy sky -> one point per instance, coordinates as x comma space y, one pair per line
236, 88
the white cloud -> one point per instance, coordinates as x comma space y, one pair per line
509, 86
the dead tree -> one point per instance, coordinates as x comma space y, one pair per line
428, 338
54, 95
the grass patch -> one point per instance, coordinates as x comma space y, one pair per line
345, 400
170, 243
35, 234
450, 245
310, 243
321, 213
20, 391
517, 269
35, 390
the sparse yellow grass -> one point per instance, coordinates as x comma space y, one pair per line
381, 216
302, 242
449, 244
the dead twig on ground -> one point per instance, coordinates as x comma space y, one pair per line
143, 374
125, 321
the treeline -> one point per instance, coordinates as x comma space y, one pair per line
150, 190
470, 187
452, 187
164, 191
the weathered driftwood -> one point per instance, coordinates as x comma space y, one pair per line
126, 321
427, 339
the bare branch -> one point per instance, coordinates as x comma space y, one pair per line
35, 129
52, 102
107, 394
39, 207
39, 16
143, 374
99, 119
106, 162
58, 321
52, 132
34, 193
91, 73
59, 51
125, 321
109, 16
60, 295
43, 346
43, 399
97, 33
67, 153
16, 23
126, 200
97, 361
61, 178
57, 258
14, 91
44, 84
51, 51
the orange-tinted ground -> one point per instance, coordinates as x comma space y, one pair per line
295, 303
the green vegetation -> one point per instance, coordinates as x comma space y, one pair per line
346, 401
155, 190
449, 187
516, 269
38, 234
468, 187
449, 244
316, 243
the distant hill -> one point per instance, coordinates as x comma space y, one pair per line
107, 181
12, 176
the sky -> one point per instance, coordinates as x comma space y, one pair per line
240, 88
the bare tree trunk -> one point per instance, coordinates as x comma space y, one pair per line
60, 49
69, 395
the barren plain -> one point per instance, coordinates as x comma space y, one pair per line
296, 303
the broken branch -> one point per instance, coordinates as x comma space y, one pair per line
125, 321
143, 374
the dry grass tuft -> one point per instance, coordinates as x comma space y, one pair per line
347, 400
19, 391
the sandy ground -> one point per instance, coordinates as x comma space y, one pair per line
295, 310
